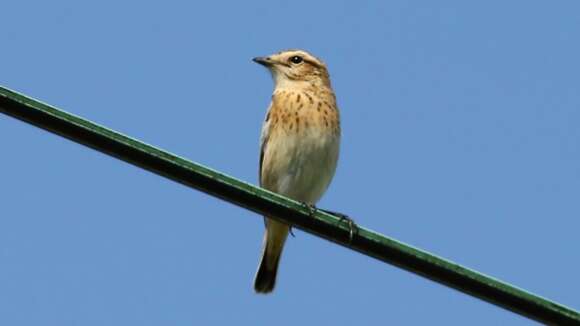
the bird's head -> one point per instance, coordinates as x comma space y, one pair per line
293, 68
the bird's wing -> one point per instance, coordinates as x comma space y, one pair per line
264, 137
264, 142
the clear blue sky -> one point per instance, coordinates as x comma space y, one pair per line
460, 136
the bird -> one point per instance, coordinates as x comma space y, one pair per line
299, 145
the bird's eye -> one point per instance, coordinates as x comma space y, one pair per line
296, 59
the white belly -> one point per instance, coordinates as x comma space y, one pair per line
302, 164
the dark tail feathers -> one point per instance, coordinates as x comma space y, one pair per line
266, 275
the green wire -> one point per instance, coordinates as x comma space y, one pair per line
265, 202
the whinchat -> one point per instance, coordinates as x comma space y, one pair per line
299, 144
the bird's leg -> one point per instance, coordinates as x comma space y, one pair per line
352, 227
310, 207
311, 210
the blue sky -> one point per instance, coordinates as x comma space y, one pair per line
460, 136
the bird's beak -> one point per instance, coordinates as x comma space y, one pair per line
264, 61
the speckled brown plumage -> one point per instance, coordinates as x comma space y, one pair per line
310, 112
299, 144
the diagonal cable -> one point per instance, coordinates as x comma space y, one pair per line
289, 211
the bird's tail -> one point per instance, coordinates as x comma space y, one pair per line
274, 239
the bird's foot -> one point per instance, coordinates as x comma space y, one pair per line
352, 227
311, 208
